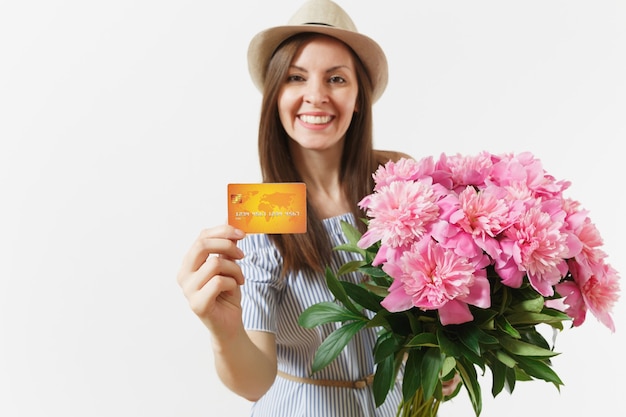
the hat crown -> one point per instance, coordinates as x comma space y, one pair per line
324, 13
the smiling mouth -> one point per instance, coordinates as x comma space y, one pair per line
315, 120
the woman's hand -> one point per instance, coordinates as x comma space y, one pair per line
450, 385
210, 279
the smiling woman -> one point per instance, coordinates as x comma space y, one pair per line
316, 128
123, 122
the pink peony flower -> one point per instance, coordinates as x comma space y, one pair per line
403, 170
601, 292
524, 168
535, 243
591, 241
482, 213
432, 278
595, 289
400, 213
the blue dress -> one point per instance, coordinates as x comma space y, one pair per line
273, 304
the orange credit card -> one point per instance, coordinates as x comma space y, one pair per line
268, 207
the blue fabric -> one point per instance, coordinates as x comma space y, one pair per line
273, 304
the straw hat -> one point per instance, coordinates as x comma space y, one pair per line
325, 17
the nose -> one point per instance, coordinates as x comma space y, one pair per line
316, 92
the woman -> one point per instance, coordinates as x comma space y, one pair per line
319, 78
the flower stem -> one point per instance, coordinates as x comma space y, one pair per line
417, 407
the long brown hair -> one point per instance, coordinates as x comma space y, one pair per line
312, 250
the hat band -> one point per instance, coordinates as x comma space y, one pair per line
319, 24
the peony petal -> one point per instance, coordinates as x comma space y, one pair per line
543, 285
398, 299
480, 293
368, 239
573, 299
455, 312
509, 273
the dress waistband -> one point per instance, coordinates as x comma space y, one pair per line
358, 384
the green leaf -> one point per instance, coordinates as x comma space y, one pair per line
377, 290
351, 266
470, 355
504, 325
556, 313
332, 346
387, 344
530, 318
416, 325
383, 379
423, 339
339, 292
532, 336
399, 323
498, 371
469, 337
539, 369
472, 336
521, 375
517, 347
511, 377
378, 276
380, 319
362, 296
534, 305
412, 373
505, 359
484, 317
431, 369
467, 372
351, 233
373, 271
449, 363
327, 312
347, 247
448, 347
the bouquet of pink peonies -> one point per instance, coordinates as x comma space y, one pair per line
464, 259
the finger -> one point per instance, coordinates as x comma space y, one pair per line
223, 231
449, 386
212, 267
222, 266
219, 240
220, 288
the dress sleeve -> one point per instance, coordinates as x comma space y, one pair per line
263, 285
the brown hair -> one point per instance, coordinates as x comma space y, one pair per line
312, 250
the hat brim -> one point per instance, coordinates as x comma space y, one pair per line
264, 44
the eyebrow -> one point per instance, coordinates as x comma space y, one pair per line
332, 69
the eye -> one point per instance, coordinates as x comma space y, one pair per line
292, 78
336, 79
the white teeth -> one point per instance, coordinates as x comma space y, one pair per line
316, 120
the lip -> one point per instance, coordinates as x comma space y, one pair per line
315, 120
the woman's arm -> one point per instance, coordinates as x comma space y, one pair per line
247, 364
210, 279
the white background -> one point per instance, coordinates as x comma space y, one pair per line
122, 121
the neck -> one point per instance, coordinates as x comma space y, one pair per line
320, 171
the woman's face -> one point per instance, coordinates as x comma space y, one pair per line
318, 97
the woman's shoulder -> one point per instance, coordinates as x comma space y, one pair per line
383, 156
